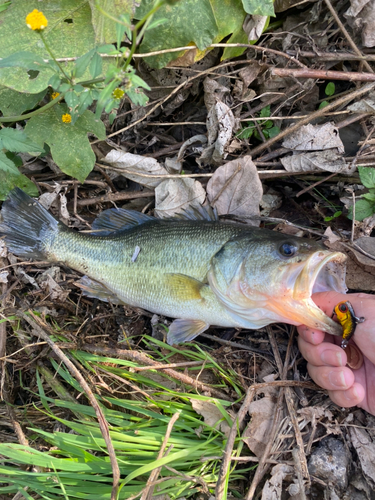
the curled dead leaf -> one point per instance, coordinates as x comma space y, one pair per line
235, 188
174, 195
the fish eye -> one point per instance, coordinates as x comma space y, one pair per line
288, 249
343, 308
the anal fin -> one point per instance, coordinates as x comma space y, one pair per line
184, 330
96, 290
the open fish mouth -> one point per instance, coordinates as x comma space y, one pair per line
322, 272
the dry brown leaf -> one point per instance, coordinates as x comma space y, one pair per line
235, 189
174, 195
332, 237
211, 414
262, 411
361, 15
254, 25
314, 138
328, 160
368, 245
273, 487
137, 164
365, 448
358, 276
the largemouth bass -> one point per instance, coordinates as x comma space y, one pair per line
202, 272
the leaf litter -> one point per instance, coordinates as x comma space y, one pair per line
234, 180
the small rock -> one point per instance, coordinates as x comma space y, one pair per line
330, 462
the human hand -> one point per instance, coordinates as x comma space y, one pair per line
327, 361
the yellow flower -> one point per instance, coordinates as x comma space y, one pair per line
118, 93
66, 118
54, 95
36, 20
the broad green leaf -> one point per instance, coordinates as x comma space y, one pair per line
9, 181
17, 141
7, 165
96, 65
104, 25
27, 60
367, 176
369, 197
69, 34
70, 147
330, 89
14, 103
363, 209
259, 7
188, 21
82, 63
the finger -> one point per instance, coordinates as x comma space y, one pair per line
331, 378
350, 397
324, 354
312, 336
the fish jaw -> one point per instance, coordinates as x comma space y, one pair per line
287, 297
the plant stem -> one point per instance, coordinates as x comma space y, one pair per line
54, 58
9, 119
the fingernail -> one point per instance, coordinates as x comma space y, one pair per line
337, 379
332, 357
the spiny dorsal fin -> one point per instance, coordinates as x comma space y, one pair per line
198, 213
116, 219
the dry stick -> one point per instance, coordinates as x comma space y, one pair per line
199, 75
238, 421
38, 326
331, 56
298, 468
141, 358
163, 367
317, 114
111, 197
322, 74
346, 34
149, 491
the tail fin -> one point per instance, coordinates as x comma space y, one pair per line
26, 225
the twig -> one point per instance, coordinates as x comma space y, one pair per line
139, 357
322, 74
149, 490
163, 367
38, 326
113, 197
331, 56
346, 34
298, 469
317, 114
220, 487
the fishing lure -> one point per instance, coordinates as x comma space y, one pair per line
348, 320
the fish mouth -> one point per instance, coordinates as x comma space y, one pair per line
322, 272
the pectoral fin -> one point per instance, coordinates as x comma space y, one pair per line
183, 330
184, 287
96, 290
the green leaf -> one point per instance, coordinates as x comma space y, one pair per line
4, 6
69, 34
7, 165
83, 62
137, 97
96, 66
265, 112
9, 181
323, 104
26, 60
17, 141
70, 147
104, 25
259, 7
363, 209
367, 176
138, 82
54, 82
330, 89
107, 49
369, 196
246, 132
13, 103
273, 131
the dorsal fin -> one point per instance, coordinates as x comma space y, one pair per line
198, 213
116, 219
